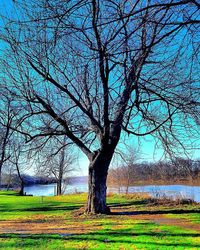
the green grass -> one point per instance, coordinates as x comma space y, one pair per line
193, 217
133, 225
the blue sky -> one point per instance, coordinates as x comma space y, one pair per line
147, 144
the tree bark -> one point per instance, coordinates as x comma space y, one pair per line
128, 182
0, 176
98, 171
59, 187
60, 173
21, 192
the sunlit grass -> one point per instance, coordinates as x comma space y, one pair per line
192, 217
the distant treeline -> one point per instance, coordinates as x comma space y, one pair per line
177, 170
13, 181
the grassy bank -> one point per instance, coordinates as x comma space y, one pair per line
135, 223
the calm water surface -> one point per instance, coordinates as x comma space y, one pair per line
183, 191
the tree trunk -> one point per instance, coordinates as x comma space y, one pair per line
9, 179
0, 176
1, 165
127, 183
127, 189
60, 174
98, 171
21, 192
59, 187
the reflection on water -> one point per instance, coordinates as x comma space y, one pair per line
189, 192
50, 189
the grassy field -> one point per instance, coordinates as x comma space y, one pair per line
136, 222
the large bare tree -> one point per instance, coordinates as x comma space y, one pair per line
95, 70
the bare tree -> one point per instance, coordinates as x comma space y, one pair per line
6, 120
127, 168
186, 168
124, 174
18, 162
58, 161
130, 159
115, 176
95, 70
7, 175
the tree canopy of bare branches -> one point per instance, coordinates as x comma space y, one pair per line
94, 70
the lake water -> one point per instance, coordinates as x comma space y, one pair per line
173, 191
50, 189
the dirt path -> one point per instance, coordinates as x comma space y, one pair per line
49, 226
186, 224
40, 225
164, 220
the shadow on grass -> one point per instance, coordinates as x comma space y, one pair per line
40, 208
51, 208
172, 211
131, 203
122, 236
9, 193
